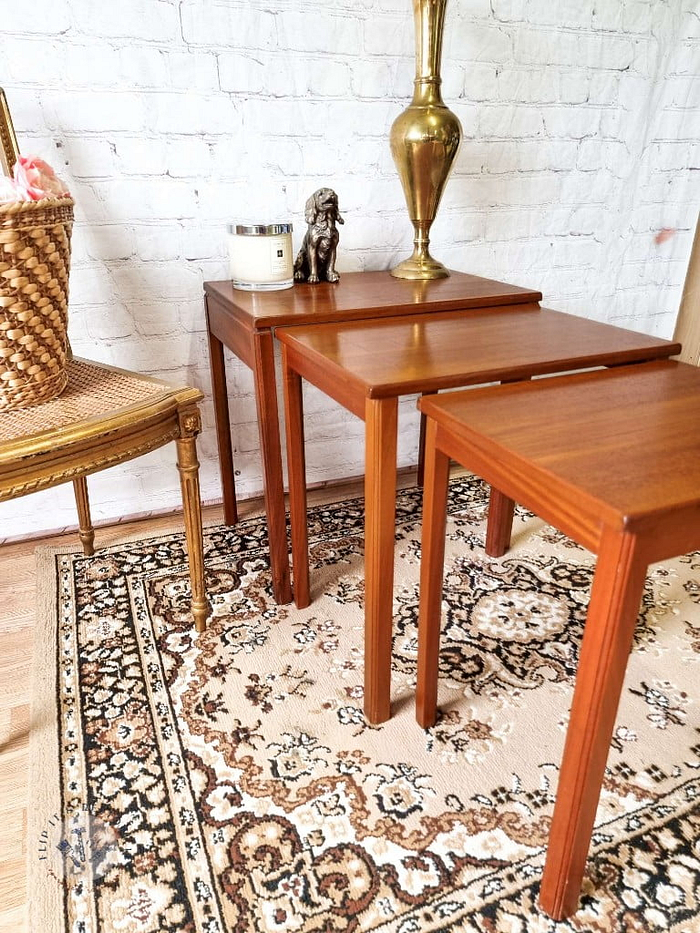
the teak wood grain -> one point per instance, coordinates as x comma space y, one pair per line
366, 366
244, 322
613, 459
424, 354
362, 295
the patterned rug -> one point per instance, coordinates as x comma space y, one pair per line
229, 781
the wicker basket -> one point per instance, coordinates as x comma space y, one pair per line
34, 266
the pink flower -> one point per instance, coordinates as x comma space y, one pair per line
35, 179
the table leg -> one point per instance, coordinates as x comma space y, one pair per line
296, 469
270, 446
612, 616
223, 425
82, 502
500, 523
188, 468
380, 529
437, 469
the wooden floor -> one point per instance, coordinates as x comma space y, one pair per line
17, 621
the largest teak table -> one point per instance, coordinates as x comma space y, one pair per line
368, 365
244, 322
613, 460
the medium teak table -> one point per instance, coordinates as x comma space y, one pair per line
368, 365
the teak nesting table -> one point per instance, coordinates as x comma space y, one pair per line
367, 365
244, 322
612, 459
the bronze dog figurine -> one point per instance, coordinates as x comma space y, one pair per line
316, 259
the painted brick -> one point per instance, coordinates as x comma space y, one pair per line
474, 42
570, 122
682, 92
566, 14
614, 52
143, 66
509, 121
509, 11
215, 25
637, 16
32, 59
241, 73
546, 47
607, 16
187, 157
138, 155
94, 112
190, 113
108, 242
603, 88
88, 157
128, 19
89, 65
394, 38
48, 17
673, 125
117, 322
192, 70
528, 85
312, 31
635, 91
159, 242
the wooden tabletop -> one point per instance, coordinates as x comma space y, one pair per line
576, 438
404, 355
361, 295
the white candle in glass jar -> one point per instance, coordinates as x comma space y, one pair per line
261, 256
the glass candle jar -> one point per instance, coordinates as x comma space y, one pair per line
261, 256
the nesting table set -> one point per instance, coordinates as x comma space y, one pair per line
611, 456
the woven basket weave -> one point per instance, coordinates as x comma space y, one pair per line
34, 267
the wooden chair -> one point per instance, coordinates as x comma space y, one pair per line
612, 458
106, 416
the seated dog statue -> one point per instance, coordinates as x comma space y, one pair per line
316, 259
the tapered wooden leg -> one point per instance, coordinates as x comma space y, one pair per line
380, 529
223, 427
500, 523
82, 502
270, 445
296, 469
420, 477
420, 473
437, 468
188, 468
612, 615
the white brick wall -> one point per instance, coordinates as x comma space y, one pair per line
169, 120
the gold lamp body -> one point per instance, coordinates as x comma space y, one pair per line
424, 142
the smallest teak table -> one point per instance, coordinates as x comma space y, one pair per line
368, 365
612, 459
